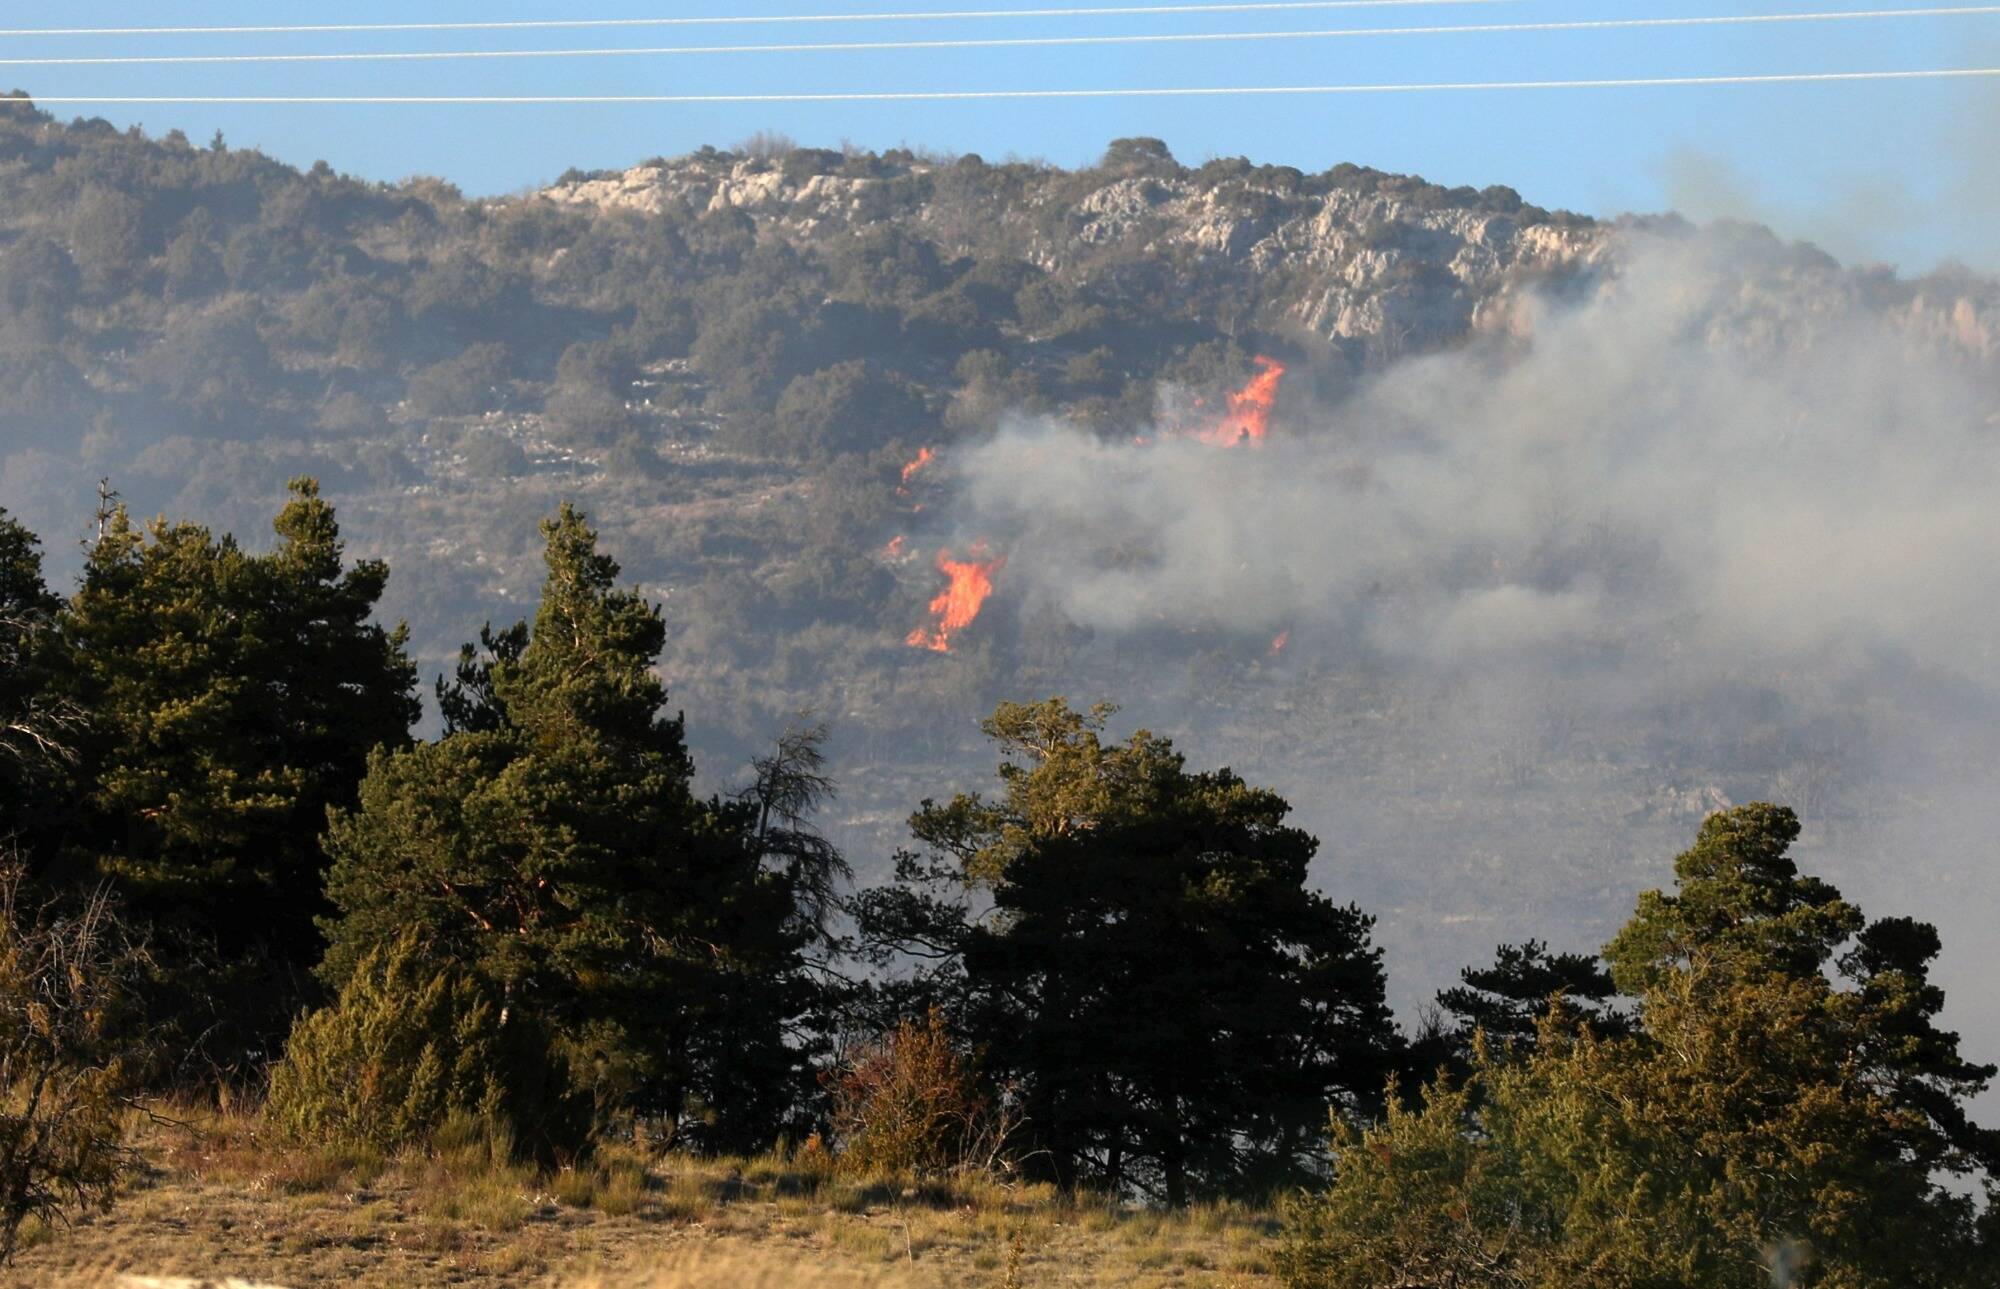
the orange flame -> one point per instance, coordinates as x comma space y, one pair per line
894, 550
1249, 407
959, 603
1283, 638
923, 458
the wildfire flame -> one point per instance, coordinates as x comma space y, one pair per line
959, 603
1278, 644
1249, 407
894, 550
923, 458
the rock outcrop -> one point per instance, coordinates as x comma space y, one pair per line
1383, 264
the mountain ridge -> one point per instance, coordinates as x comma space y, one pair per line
728, 360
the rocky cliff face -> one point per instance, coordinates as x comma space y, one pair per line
1385, 264
1348, 263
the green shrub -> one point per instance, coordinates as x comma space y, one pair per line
1785, 1112
462, 386
410, 1045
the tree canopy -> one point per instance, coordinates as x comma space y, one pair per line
37, 727
233, 699
1786, 1111
551, 844
1136, 948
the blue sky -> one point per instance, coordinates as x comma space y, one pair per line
1901, 172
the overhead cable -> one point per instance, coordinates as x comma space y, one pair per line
941, 96
736, 20
1017, 42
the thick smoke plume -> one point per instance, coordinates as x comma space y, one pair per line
1724, 523
1676, 464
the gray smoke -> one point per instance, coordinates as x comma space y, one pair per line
1673, 465
1724, 527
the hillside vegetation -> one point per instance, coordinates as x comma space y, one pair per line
729, 358
609, 750
526, 958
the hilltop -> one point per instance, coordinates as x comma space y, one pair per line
728, 358
1375, 262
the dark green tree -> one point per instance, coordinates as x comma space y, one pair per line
466, 385
234, 698
24, 596
587, 406
215, 367
38, 286
1507, 1000
1135, 948
38, 725
550, 843
848, 407
1787, 1111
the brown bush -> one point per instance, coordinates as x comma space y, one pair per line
911, 1102
67, 1057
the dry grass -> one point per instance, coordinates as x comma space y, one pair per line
222, 1200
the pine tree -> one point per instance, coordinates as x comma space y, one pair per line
1787, 1111
234, 699
1507, 1000
1135, 949
39, 726
551, 844
1797, 1090
24, 596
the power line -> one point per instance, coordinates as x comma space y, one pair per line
936, 96
730, 20
1492, 28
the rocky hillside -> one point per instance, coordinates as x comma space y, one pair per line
1385, 263
1565, 531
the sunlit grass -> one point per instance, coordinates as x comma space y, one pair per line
465, 1210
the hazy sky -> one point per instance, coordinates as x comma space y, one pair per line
1875, 171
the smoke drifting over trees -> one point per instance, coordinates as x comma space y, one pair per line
1572, 532
1709, 526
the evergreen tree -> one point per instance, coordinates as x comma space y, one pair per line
1507, 1000
1798, 1089
234, 699
38, 725
1134, 947
407, 1047
1787, 1111
24, 597
551, 844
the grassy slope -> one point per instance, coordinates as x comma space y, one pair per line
219, 1201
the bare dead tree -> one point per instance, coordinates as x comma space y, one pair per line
37, 731
789, 787
69, 1055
